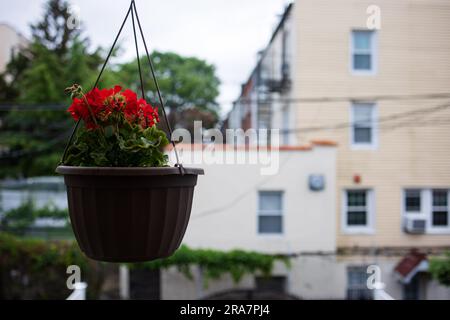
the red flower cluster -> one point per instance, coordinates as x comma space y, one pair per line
100, 107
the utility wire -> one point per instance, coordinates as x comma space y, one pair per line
241, 196
385, 124
17, 154
429, 96
426, 96
397, 116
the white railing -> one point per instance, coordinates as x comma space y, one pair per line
79, 292
380, 294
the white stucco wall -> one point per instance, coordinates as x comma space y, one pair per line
224, 213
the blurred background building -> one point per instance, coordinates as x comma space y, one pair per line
382, 95
364, 177
12, 41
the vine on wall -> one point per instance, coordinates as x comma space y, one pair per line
36, 269
216, 263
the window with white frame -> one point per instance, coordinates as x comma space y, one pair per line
270, 212
364, 125
358, 211
363, 57
433, 205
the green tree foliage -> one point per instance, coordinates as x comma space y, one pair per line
216, 263
36, 269
189, 86
19, 219
32, 141
57, 57
44, 264
440, 269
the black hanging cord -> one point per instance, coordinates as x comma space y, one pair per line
133, 11
161, 100
97, 81
137, 56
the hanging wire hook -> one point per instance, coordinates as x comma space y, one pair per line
161, 100
133, 13
98, 80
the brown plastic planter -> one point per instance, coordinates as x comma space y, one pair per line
129, 214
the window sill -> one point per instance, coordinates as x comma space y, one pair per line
364, 73
271, 235
437, 231
358, 231
363, 147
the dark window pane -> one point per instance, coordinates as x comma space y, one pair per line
362, 135
412, 200
357, 284
362, 62
356, 198
357, 218
145, 284
440, 218
274, 284
440, 198
270, 224
411, 290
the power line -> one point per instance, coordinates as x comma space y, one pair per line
397, 116
427, 96
32, 107
241, 196
344, 125
26, 153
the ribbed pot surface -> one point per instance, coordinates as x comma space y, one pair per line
129, 214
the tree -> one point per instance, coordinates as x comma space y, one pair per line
56, 57
189, 86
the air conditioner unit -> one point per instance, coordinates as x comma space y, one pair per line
415, 225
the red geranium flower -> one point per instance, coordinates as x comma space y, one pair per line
96, 107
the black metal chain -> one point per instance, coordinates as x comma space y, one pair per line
132, 9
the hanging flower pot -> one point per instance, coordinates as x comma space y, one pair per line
125, 203
129, 214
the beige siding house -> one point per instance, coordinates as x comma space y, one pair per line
376, 80
408, 147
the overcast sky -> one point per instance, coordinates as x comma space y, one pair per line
226, 33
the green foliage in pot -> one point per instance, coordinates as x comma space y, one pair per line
119, 130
